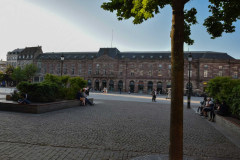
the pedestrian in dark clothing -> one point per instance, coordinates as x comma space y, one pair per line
154, 94
222, 109
81, 97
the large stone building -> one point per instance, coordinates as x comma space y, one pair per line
135, 71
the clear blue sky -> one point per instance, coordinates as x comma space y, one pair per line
81, 25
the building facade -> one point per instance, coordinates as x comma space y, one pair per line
138, 72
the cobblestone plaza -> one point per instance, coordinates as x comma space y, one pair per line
110, 130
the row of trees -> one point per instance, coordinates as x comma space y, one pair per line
13, 76
228, 90
52, 88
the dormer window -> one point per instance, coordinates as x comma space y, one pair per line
27, 56
151, 56
142, 56
122, 56
133, 56
31, 56
160, 56
23, 56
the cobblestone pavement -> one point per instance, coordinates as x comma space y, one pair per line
110, 130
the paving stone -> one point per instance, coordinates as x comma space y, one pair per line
110, 130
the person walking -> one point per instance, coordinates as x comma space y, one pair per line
154, 94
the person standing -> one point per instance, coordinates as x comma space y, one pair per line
154, 94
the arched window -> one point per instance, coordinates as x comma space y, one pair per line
89, 83
111, 85
159, 87
131, 86
140, 86
104, 83
150, 86
120, 84
96, 88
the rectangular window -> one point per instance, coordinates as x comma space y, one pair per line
141, 73
73, 69
205, 73
159, 66
89, 69
51, 68
39, 66
220, 73
220, 67
235, 75
169, 66
64, 68
120, 73
79, 68
132, 73
58, 68
97, 69
205, 66
44, 68
159, 73
150, 73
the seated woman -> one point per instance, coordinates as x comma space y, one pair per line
222, 109
81, 97
85, 96
23, 99
209, 108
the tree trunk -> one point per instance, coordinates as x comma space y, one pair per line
177, 62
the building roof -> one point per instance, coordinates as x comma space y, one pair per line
30, 50
16, 51
115, 53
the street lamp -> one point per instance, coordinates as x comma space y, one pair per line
189, 83
62, 59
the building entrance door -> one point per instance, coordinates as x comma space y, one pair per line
97, 85
140, 87
131, 86
159, 87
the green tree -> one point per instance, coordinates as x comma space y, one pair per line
8, 73
223, 14
18, 75
29, 71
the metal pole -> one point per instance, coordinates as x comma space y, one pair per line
189, 86
61, 67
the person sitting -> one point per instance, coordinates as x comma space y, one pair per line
209, 108
222, 109
23, 99
81, 97
86, 99
203, 104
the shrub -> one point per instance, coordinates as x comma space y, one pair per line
235, 107
228, 90
52, 88
39, 92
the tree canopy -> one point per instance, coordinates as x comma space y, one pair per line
223, 14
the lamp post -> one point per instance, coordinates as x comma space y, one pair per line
189, 82
62, 59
